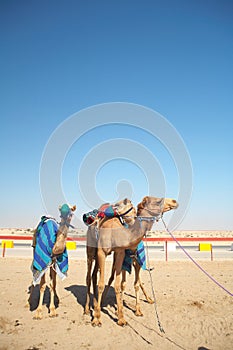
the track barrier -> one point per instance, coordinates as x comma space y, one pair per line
203, 243
205, 247
71, 245
6, 244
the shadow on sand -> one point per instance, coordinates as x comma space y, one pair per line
79, 293
35, 295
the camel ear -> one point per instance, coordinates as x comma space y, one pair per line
145, 200
125, 201
73, 208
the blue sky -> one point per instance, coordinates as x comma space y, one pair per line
60, 57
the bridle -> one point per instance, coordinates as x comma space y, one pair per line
127, 211
121, 216
155, 215
65, 222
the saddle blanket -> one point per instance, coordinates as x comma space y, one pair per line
42, 258
105, 210
140, 257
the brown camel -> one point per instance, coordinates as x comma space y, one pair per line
112, 237
137, 281
126, 215
49, 231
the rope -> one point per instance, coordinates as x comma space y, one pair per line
194, 261
153, 292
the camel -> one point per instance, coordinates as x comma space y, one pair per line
114, 238
126, 216
55, 256
137, 282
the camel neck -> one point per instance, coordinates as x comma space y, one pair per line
64, 226
138, 230
144, 224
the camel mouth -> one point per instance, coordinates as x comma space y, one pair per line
175, 205
171, 206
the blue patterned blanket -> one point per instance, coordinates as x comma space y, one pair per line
45, 239
140, 257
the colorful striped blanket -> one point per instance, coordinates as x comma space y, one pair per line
106, 210
140, 257
45, 239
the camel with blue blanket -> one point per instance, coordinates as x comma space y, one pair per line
114, 238
49, 253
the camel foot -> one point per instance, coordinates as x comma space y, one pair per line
122, 322
138, 313
27, 305
96, 322
52, 313
86, 311
150, 301
38, 315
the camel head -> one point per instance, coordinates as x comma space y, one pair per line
66, 214
156, 206
126, 209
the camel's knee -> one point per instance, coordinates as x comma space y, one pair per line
42, 288
101, 287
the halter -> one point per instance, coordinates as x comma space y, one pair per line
121, 216
145, 218
65, 223
129, 210
154, 210
154, 216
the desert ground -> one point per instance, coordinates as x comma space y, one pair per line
194, 312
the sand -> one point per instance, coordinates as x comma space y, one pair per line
194, 312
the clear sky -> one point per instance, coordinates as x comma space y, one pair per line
61, 57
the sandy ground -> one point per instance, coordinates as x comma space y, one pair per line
194, 312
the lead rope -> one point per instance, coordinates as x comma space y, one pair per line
199, 266
153, 292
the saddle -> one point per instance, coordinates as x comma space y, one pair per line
105, 211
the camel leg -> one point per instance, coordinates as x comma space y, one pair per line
28, 304
38, 315
97, 303
117, 286
123, 284
110, 279
52, 287
148, 299
94, 278
137, 269
88, 283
